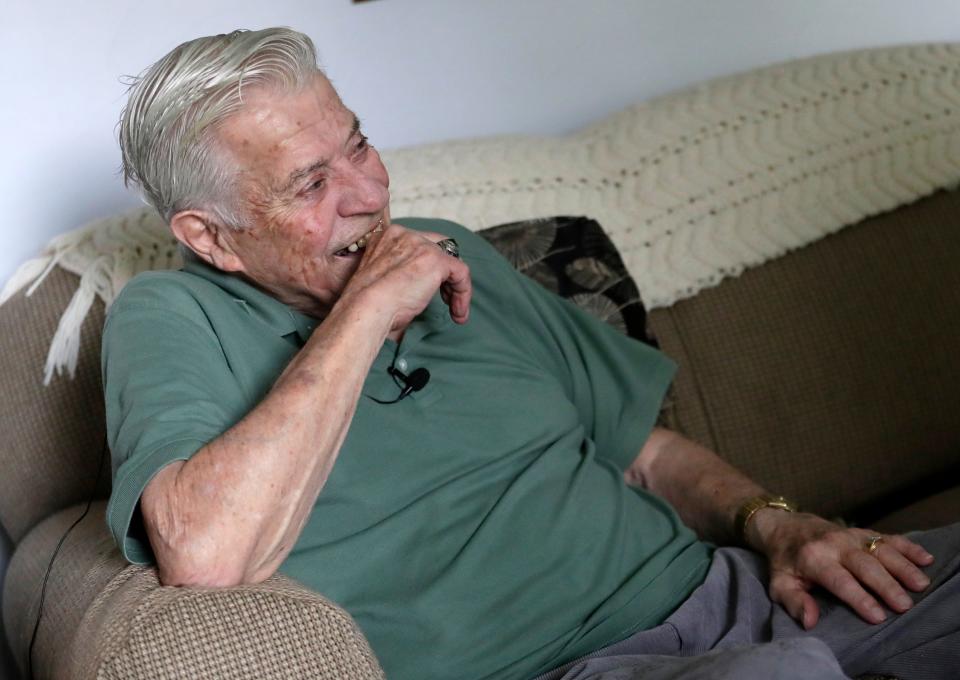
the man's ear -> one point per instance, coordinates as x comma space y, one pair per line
201, 234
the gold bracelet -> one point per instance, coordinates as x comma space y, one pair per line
750, 508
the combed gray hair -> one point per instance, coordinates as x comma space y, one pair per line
167, 129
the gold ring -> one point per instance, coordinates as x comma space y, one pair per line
873, 542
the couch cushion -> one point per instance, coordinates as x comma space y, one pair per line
933, 511
53, 436
104, 618
574, 258
278, 629
85, 564
831, 374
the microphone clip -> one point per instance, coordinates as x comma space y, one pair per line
414, 382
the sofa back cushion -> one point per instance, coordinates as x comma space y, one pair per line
832, 374
53, 436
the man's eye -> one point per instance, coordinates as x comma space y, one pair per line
318, 184
362, 145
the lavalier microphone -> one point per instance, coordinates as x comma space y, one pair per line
414, 382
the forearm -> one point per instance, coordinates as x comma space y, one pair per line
705, 490
233, 511
803, 550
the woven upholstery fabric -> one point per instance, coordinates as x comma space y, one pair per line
277, 629
104, 618
52, 436
933, 511
831, 374
84, 566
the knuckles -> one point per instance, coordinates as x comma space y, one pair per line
810, 552
838, 545
398, 247
822, 545
409, 266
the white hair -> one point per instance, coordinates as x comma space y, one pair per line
168, 128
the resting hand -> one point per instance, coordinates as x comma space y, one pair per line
401, 269
806, 551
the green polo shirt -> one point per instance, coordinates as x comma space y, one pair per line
480, 528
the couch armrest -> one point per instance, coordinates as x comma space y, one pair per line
103, 618
138, 629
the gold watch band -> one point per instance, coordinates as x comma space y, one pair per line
750, 508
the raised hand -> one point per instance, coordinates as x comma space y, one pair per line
400, 271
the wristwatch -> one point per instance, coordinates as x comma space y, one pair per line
750, 508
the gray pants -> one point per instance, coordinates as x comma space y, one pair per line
729, 629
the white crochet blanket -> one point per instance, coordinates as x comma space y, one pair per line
692, 188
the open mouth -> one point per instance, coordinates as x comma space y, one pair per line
360, 244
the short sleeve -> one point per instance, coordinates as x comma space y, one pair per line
616, 382
167, 388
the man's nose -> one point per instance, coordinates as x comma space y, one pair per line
361, 192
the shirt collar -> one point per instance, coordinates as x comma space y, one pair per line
286, 320
260, 305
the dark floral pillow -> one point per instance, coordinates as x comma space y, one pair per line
573, 257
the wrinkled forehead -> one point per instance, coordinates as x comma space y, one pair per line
269, 108
277, 130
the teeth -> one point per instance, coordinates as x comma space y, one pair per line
362, 241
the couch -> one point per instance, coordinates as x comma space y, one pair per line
793, 234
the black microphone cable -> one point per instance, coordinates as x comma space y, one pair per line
43, 588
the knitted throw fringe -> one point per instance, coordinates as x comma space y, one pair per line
105, 254
692, 187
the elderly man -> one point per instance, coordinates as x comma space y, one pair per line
506, 515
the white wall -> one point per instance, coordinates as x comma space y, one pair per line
414, 70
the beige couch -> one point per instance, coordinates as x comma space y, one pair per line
829, 373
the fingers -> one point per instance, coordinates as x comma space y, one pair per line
810, 551
459, 289
913, 551
432, 236
885, 572
873, 574
791, 592
842, 583
895, 560
416, 253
